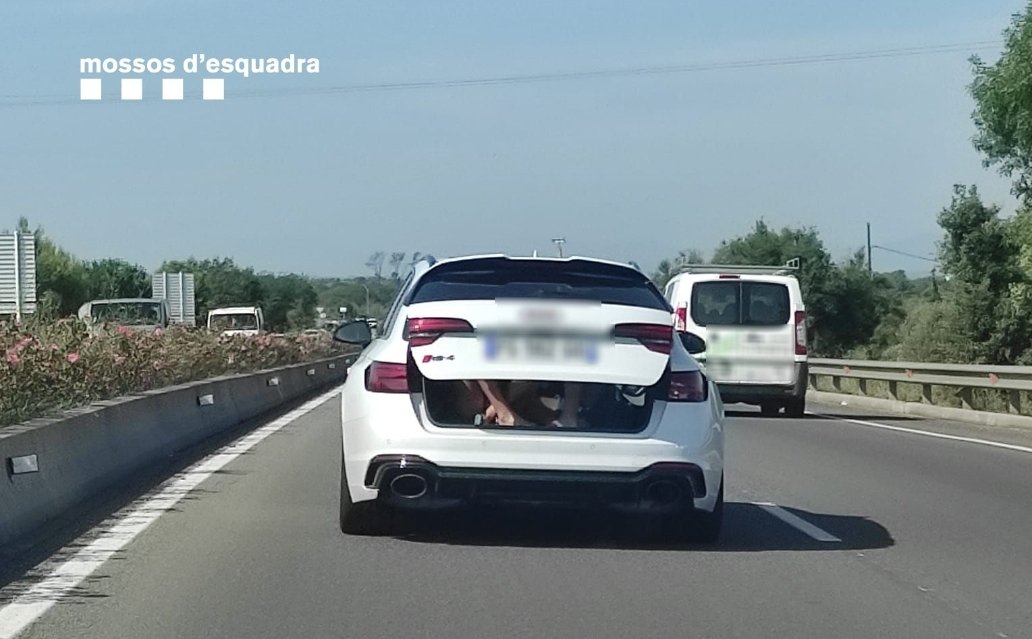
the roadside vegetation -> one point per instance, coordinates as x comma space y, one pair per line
57, 365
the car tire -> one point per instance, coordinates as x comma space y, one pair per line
366, 518
795, 407
708, 524
698, 526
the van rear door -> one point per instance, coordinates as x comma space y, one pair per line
749, 328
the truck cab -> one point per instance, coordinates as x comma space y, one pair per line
138, 313
237, 320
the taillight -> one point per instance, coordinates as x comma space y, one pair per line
382, 377
655, 337
688, 386
800, 332
682, 318
420, 331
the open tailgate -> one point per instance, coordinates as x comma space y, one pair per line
553, 340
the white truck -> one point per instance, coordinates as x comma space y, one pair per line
137, 313
237, 320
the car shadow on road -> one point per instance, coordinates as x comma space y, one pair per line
747, 528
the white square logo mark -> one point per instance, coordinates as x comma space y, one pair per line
213, 89
89, 89
172, 89
132, 89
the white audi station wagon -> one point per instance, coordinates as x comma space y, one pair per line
543, 381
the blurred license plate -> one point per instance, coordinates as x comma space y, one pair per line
540, 349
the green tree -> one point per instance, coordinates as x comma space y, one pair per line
1003, 105
111, 278
1019, 228
351, 293
289, 302
219, 282
668, 268
980, 255
931, 332
397, 259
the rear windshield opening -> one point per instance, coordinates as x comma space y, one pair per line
740, 304
492, 279
539, 405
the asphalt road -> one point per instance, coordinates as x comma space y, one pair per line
934, 541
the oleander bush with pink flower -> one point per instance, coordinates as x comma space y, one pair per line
55, 366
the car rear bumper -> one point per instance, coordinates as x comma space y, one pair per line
684, 433
732, 392
411, 482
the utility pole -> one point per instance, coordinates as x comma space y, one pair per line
870, 268
559, 241
366, 298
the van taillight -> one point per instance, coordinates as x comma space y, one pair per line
682, 318
688, 386
800, 332
383, 377
420, 331
655, 337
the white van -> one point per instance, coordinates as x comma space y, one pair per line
754, 323
237, 320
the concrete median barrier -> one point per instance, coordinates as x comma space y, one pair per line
53, 465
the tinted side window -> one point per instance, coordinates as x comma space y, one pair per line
716, 303
765, 304
740, 304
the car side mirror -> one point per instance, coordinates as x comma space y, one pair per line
692, 343
357, 332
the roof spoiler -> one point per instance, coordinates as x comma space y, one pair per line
790, 268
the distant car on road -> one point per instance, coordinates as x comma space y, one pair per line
586, 339
754, 323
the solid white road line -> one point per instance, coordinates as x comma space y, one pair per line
797, 522
68, 568
926, 433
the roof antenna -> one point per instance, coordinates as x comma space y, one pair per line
535, 253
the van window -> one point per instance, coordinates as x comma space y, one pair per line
740, 304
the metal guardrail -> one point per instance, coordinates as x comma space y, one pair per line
964, 377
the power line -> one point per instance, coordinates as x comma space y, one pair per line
824, 58
904, 253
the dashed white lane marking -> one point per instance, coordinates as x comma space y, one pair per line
926, 433
59, 575
798, 523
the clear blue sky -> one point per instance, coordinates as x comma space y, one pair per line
632, 167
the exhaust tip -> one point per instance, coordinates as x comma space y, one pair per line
663, 491
409, 486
